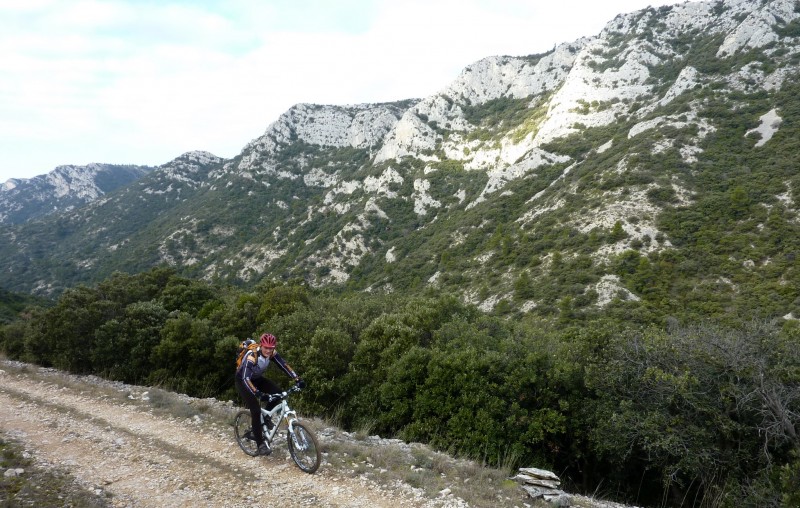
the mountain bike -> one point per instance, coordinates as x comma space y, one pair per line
302, 442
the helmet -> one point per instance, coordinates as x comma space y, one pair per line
268, 340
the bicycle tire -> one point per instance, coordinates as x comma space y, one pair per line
304, 448
241, 426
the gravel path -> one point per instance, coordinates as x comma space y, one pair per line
143, 459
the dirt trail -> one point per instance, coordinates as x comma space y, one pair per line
147, 460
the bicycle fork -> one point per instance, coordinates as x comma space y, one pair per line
300, 442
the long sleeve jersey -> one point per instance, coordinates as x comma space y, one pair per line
254, 365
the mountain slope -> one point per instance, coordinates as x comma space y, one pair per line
62, 190
653, 166
55, 252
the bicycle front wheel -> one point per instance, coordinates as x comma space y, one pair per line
303, 447
242, 428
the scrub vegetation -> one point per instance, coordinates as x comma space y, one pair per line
704, 410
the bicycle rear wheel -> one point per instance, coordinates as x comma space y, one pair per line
242, 428
303, 448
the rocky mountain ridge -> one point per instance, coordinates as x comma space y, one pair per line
62, 190
589, 158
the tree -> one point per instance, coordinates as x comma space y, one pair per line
282, 300
69, 329
123, 346
705, 407
325, 361
187, 358
186, 295
617, 232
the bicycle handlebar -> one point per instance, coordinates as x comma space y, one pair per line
283, 395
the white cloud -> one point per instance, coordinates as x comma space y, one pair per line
142, 82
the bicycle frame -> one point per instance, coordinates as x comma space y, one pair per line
284, 414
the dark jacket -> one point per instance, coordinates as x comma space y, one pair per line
254, 365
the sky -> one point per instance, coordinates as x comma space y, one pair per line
144, 81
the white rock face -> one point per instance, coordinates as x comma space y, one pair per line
390, 255
358, 126
381, 185
411, 136
770, 122
756, 30
186, 169
687, 80
490, 78
500, 175
609, 288
76, 180
518, 77
319, 178
585, 86
423, 200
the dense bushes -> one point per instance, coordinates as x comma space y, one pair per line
707, 408
11, 304
700, 413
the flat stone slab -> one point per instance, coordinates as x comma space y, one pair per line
539, 473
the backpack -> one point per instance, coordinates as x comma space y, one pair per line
245, 347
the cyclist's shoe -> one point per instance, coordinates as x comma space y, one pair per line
264, 449
249, 435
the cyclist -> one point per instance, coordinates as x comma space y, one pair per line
252, 385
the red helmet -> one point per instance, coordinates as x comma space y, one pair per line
269, 340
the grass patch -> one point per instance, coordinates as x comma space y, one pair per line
391, 462
165, 402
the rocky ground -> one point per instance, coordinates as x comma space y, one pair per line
83, 441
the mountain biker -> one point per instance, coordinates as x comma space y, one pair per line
252, 385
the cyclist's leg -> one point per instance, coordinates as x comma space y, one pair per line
267, 386
251, 402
